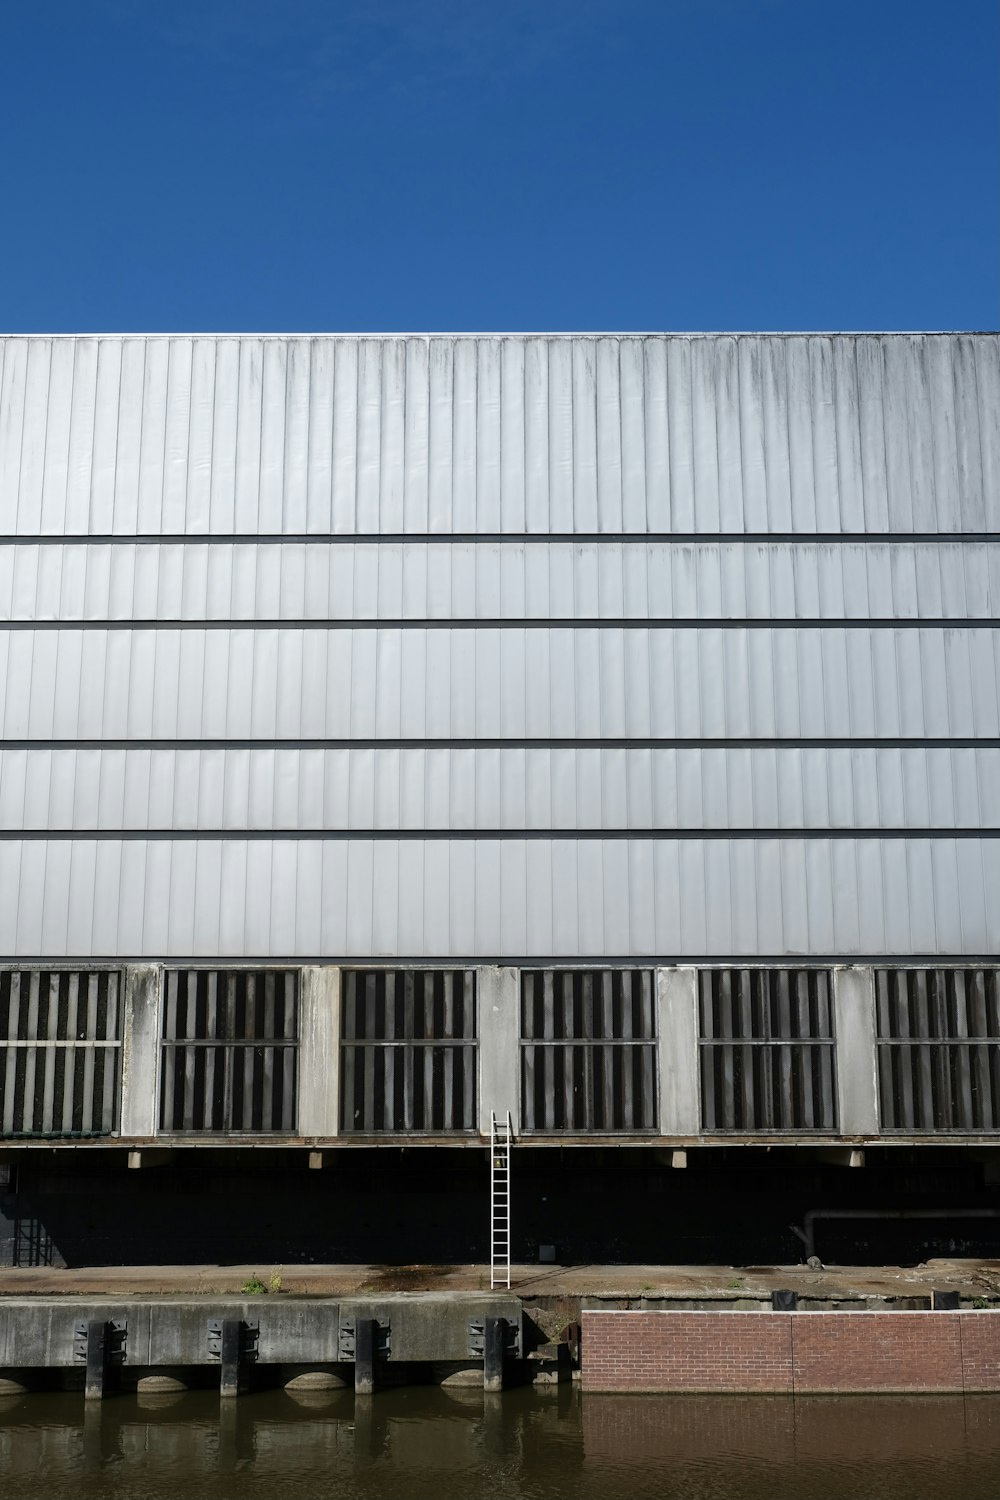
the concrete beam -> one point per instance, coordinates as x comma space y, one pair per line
319, 1052
499, 999
857, 1064
141, 1051
677, 1046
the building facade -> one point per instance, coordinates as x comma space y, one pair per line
403, 732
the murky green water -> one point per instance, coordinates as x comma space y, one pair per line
422, 1442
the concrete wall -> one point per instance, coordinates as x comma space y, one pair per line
791, 1353
38, 1332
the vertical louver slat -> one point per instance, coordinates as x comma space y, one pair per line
938, 1039
60, 1044
229, 1045
465, 1116
588, 1055
768, 1051
409, 1052
350, 1107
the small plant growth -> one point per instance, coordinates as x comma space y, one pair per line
253, 1287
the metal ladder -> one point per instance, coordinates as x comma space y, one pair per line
501, 1140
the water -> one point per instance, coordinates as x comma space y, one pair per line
525, 1445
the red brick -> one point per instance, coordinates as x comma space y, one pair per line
981, 1351
791, 1352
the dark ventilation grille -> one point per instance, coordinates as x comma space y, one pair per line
230, 1039
588, 1052
767, 1050
938, 1049
409, 1051
60, 1052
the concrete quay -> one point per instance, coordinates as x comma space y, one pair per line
170, 1342
150, 1328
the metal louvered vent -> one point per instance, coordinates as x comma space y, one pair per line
588, 1052
229, 1050
409, 1051
60, 1052
767, 1050
938, 1039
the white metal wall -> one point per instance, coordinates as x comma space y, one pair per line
204, 436
609, 580
500, 647
440, 788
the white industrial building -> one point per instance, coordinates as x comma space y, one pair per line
402, 732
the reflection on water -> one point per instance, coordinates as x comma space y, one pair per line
420, 1442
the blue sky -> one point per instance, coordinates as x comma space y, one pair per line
378, 165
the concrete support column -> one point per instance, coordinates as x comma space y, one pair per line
499, 997
677, 1045
319, 1052
857, 1064
141, 1050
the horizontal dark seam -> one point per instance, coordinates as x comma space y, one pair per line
474, 835
922, 1038
768, 1041
217, 1041
610, 742
466, 538
683, 623
532, 962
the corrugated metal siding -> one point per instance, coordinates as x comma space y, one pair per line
687, 592
535, 580
489, 898
217, 436
563, 683
438, 788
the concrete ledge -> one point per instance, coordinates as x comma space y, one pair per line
812, 1353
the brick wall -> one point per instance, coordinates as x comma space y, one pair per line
792, 1353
